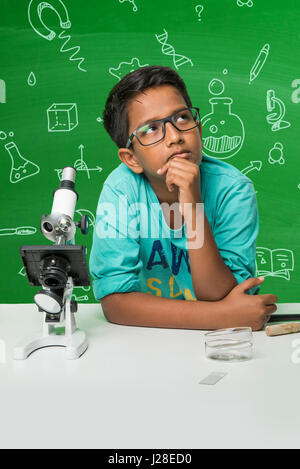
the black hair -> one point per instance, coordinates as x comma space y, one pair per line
115, 116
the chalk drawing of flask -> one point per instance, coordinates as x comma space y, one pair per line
21, 168
223, 131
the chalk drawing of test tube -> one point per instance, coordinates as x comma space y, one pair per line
35, 9
80, 298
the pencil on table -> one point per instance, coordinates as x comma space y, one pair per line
279, 329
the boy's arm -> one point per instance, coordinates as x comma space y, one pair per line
212, 279
227, 256
237, 309
141, 309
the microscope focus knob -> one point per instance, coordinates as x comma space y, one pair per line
83, 224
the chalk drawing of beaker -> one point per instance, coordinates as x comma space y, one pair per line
21, 168
224, 131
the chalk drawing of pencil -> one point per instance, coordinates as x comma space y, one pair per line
259, 62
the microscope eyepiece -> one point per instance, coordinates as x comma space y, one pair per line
68, 173
59, 225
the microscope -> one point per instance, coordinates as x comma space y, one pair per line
57, 269
275, 119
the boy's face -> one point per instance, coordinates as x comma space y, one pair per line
157, 103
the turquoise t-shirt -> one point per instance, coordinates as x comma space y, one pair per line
134, 249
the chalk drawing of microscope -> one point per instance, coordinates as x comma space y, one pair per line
275, 119
35, 9
2, 92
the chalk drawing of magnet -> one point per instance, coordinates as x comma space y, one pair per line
35, 10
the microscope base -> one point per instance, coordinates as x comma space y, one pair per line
76, 345
63, 333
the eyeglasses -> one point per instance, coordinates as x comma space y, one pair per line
152, 132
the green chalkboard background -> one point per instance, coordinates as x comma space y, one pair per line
213, 44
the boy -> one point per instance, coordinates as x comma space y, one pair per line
188, 275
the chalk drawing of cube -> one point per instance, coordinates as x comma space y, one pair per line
62, 117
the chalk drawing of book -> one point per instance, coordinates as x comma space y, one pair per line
274, 263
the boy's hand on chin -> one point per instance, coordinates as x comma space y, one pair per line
186, 175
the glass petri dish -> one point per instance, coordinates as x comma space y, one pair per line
234, 344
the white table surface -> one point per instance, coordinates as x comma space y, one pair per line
138, 387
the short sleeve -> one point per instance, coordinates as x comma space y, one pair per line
236, 230
115, 256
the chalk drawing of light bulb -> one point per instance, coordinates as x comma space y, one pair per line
223, 131
35, 9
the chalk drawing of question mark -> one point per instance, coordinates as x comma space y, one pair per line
199, 9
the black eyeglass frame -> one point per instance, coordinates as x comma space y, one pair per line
166, 119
